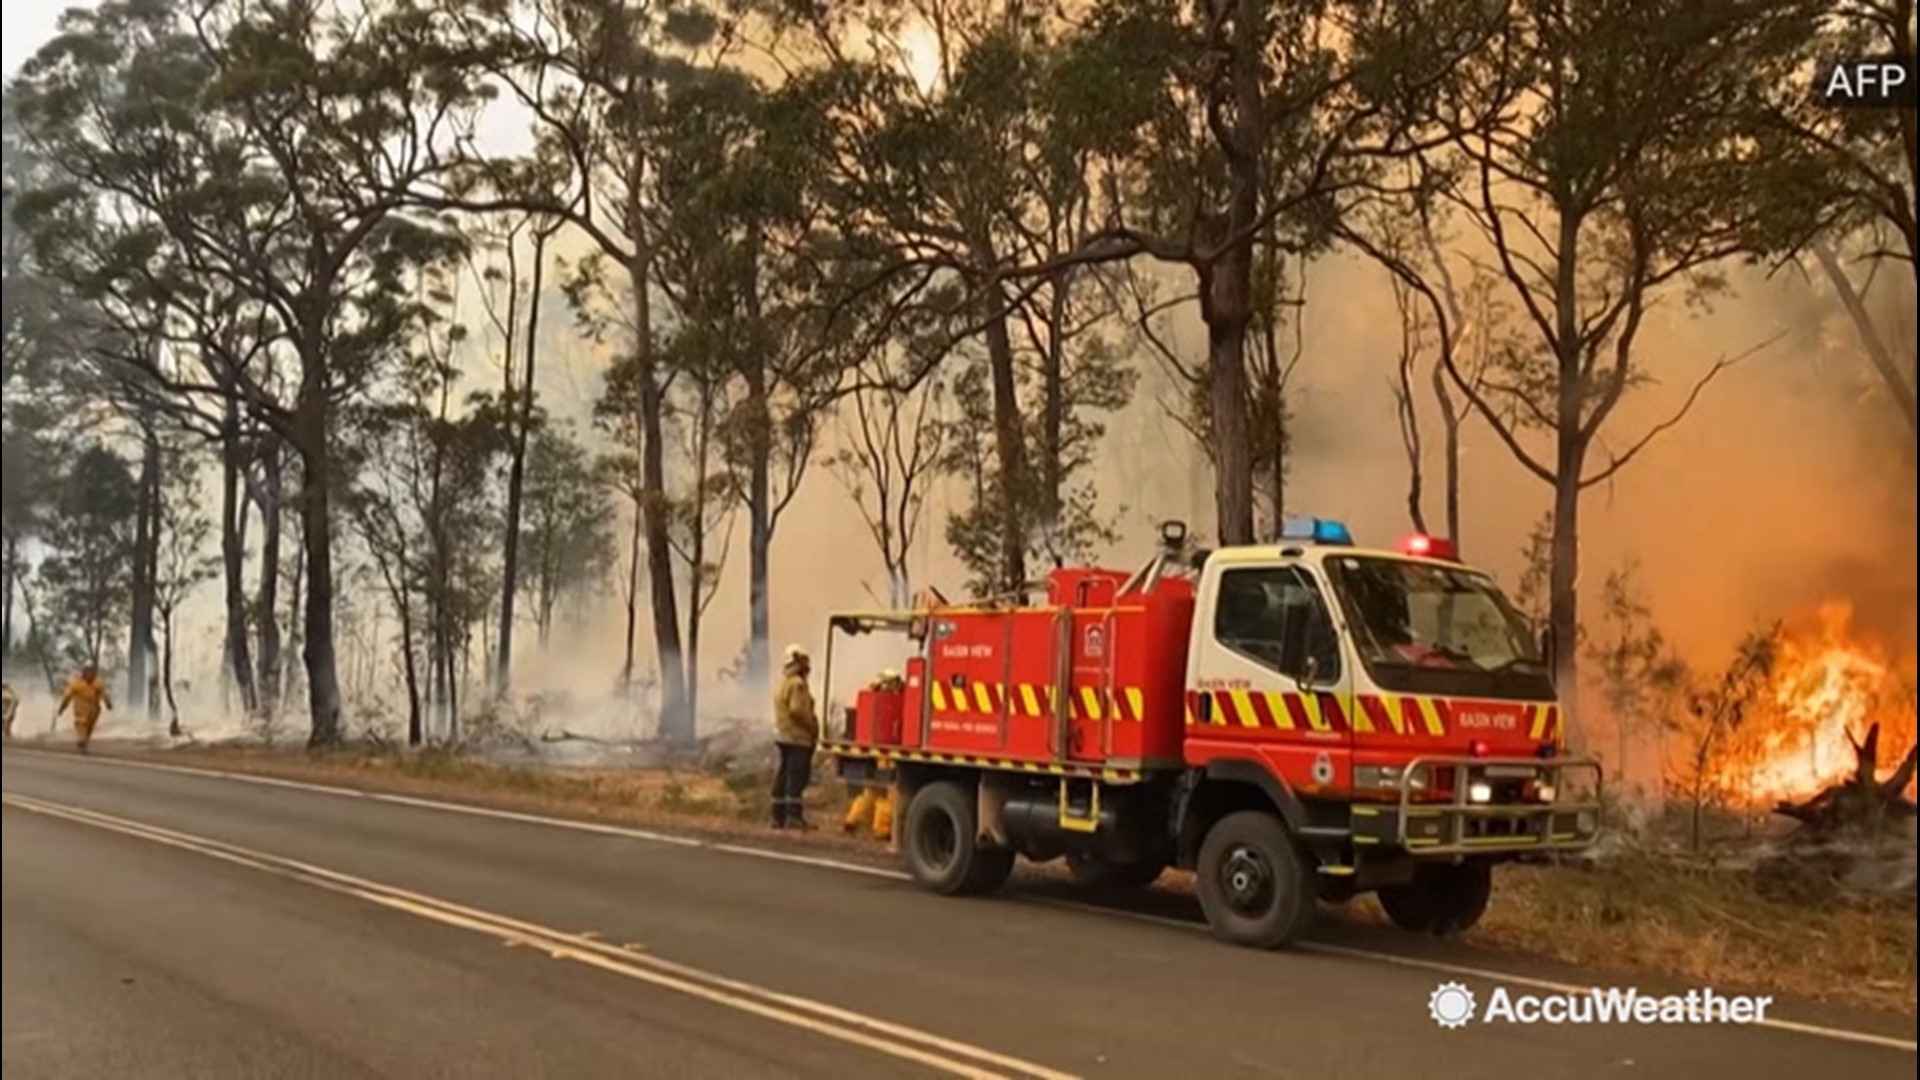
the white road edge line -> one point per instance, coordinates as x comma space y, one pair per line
1442, 967
933, 1051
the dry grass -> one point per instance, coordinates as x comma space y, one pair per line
1636, 915
1626, 914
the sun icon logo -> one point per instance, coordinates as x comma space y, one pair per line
1452, 1005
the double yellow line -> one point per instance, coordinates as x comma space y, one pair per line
818, 1018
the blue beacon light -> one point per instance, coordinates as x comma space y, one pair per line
1315, 530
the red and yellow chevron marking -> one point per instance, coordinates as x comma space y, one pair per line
1255, 709
1545, 723
1395, 714
1030, 700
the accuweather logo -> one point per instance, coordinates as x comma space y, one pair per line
1453, 1006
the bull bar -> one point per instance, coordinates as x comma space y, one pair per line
1460, 826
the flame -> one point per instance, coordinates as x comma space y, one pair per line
1826, 690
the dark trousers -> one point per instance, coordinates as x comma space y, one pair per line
790, 782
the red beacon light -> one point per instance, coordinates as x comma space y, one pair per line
1422, 546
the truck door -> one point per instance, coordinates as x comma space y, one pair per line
1270, 677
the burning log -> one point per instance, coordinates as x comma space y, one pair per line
1862, 802
1855, 839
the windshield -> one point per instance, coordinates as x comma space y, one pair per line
1430, 628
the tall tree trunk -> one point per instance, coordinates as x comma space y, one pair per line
759, 525
410, 670
1227, 317
10, 572
1053, 418
1274, 395
272, 500
296, 618
1898, 382
1009, 439
517, 471
146, 542
697, 575
760, 509
1563, 579
233, 553
676, 721
316, 535
37, 635
166, 670
634, 542
1226, 287
1450, 451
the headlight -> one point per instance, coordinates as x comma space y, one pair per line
1546, 793
1586, 823
1479, 792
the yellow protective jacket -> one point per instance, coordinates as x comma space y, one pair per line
85, 698
794, 721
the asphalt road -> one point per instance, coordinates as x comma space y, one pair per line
160, 925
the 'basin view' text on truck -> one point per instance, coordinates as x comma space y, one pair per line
1298, 721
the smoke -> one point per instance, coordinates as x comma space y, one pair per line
1792, 482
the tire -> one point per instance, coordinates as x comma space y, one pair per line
1254, 884
1103, 875
1442, 899
942, 841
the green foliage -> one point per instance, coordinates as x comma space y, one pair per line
567, 543
1536, 567
1638, 673
87, 573
187, 556
1837, 172
1063, 528
1623, 149
422, 504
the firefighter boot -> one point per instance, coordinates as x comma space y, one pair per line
860, 812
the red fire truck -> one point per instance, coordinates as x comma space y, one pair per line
1294, 722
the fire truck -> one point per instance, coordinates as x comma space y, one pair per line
1295, 722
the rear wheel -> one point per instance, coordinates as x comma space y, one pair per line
1253, 881
1104, 874
1442, 898
943, 849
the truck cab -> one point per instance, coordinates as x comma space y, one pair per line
1401, 705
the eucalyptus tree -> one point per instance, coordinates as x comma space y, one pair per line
270, 149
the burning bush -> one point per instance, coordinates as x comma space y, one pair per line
1828, 688
1788, 717
1794, 726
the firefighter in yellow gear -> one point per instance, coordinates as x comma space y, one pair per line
9, 705
796, 737
87, 696
875, 805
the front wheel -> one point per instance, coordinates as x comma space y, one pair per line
1442, 899
942, 841
1253, 881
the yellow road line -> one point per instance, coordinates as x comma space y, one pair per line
908, 1044
842, 866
